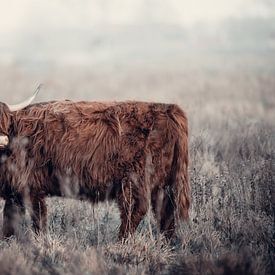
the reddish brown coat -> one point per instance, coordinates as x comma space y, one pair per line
131, 152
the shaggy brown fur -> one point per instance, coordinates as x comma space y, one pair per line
131, 152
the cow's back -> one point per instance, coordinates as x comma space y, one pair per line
96, 144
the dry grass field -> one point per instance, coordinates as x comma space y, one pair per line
232, 173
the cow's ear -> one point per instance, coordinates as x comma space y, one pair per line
5, 118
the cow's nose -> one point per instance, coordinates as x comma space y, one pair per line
4, 141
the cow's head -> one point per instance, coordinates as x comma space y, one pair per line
6, 112
5, 119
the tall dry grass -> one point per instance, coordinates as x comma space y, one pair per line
231, 228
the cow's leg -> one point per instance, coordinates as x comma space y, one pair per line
133, 205
157, 202
39, 214
167, 221
13, 214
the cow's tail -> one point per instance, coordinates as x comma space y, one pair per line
179, 181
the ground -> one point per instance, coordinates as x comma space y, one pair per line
231, 226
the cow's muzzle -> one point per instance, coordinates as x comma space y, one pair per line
4, 141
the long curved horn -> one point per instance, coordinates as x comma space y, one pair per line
25, 103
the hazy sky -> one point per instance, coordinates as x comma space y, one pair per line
18, 15
87, 31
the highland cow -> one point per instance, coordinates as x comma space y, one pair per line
131, 152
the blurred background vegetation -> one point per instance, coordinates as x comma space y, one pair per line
214, 58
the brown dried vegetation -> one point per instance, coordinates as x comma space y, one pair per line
231, 226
